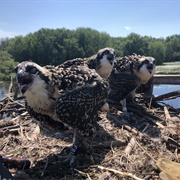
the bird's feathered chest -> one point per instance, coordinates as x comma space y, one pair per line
38, 97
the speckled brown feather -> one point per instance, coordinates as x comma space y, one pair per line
77, 93
71, 93
125, 77
127, 64
121, 85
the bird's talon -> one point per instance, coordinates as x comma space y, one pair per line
68, 160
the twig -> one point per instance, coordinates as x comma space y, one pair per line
84, 174
166, 112
6, 123
125, 126
170, 140
167, 96
130, 146
10, 86
45, 167
120, 172
112, 149
9, 91
109, 144
156, 122
150, 103
146, 152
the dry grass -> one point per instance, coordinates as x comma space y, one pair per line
127, 147
168, 68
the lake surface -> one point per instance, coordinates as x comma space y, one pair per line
166, 88
157, 90
3, 89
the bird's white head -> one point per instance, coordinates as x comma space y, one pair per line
30, 76
145, 68
106, 58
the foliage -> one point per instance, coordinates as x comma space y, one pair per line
54, 46
173, 48
4, 42
157, 50
134, 43
7, 65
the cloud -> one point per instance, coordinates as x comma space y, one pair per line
5, 34
127, 28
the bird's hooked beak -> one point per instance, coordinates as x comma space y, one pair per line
111, 58
24, 80
150, 68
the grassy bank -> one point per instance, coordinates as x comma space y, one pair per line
168, 68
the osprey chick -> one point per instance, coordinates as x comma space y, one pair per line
70, 93
102, 62
128, 74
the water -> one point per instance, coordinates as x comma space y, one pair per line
157, 90
166, 88
3, 89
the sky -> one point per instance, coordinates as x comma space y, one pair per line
118, 18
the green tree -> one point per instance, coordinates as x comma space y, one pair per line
118, 45
4, 42
134, 43
7, 65
173, 48
157, 50
90, 40
17, 48
54, 46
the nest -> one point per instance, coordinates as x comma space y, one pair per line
127, 147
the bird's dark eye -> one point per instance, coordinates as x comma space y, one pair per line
16, 69
31, 69
106, 52
146, 62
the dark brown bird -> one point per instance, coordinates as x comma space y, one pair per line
71, 93
102, 62
129, 73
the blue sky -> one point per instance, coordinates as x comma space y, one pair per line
118, 18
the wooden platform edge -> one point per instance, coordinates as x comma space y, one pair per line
166, 79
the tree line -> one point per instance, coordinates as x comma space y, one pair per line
54, 46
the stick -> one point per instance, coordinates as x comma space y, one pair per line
166, 112
130, 146
108, 144
6, 123
10, 86
120, 172
167, 96
84, 174
146, 152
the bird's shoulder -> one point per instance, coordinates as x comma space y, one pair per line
74, 62
126, 64
71, 75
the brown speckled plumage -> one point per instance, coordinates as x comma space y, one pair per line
128, 73
102, 62
71, 93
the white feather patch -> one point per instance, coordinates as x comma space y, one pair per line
37, 96
106, 68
